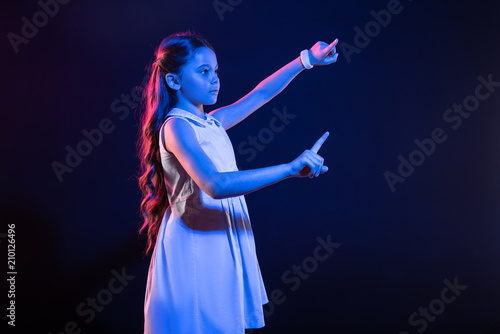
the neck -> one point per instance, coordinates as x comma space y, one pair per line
188, 106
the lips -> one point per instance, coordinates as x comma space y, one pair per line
215, 90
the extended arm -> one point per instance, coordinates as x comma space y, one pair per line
182, 142
276, 82
309, 163
320, 54
234, 113
243, 182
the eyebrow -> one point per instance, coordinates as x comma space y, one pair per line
207, 65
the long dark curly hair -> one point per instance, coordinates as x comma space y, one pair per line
158, 98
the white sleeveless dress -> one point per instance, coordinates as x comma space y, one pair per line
204, 276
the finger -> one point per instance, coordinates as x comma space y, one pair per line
332, 59
329, 54
320, 142
314, 173
332, 45
314, 162
324, 169
319, 164
320, 168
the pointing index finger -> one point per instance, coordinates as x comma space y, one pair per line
332, 44
331, 47
320, 142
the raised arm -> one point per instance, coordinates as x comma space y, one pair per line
234, 113
320, 54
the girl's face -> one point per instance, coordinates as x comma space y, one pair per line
199, 81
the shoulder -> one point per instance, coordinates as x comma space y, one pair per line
178, 134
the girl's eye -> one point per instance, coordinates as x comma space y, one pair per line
205, 71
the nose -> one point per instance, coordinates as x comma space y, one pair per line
215, 78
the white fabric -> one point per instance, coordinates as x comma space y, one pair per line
204, 276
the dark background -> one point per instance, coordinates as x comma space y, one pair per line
396, 248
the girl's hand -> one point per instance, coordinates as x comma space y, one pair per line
309, 163
323, 54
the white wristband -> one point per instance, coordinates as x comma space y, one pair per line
304, 56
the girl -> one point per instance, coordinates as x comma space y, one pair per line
204, 276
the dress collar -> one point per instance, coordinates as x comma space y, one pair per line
203, 122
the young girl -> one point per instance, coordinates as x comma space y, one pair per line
204, 276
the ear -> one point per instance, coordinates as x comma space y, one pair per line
172, 81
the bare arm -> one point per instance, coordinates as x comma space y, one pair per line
267, 89
276, 82
320, 54
182, 142
309, 163
243, 182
